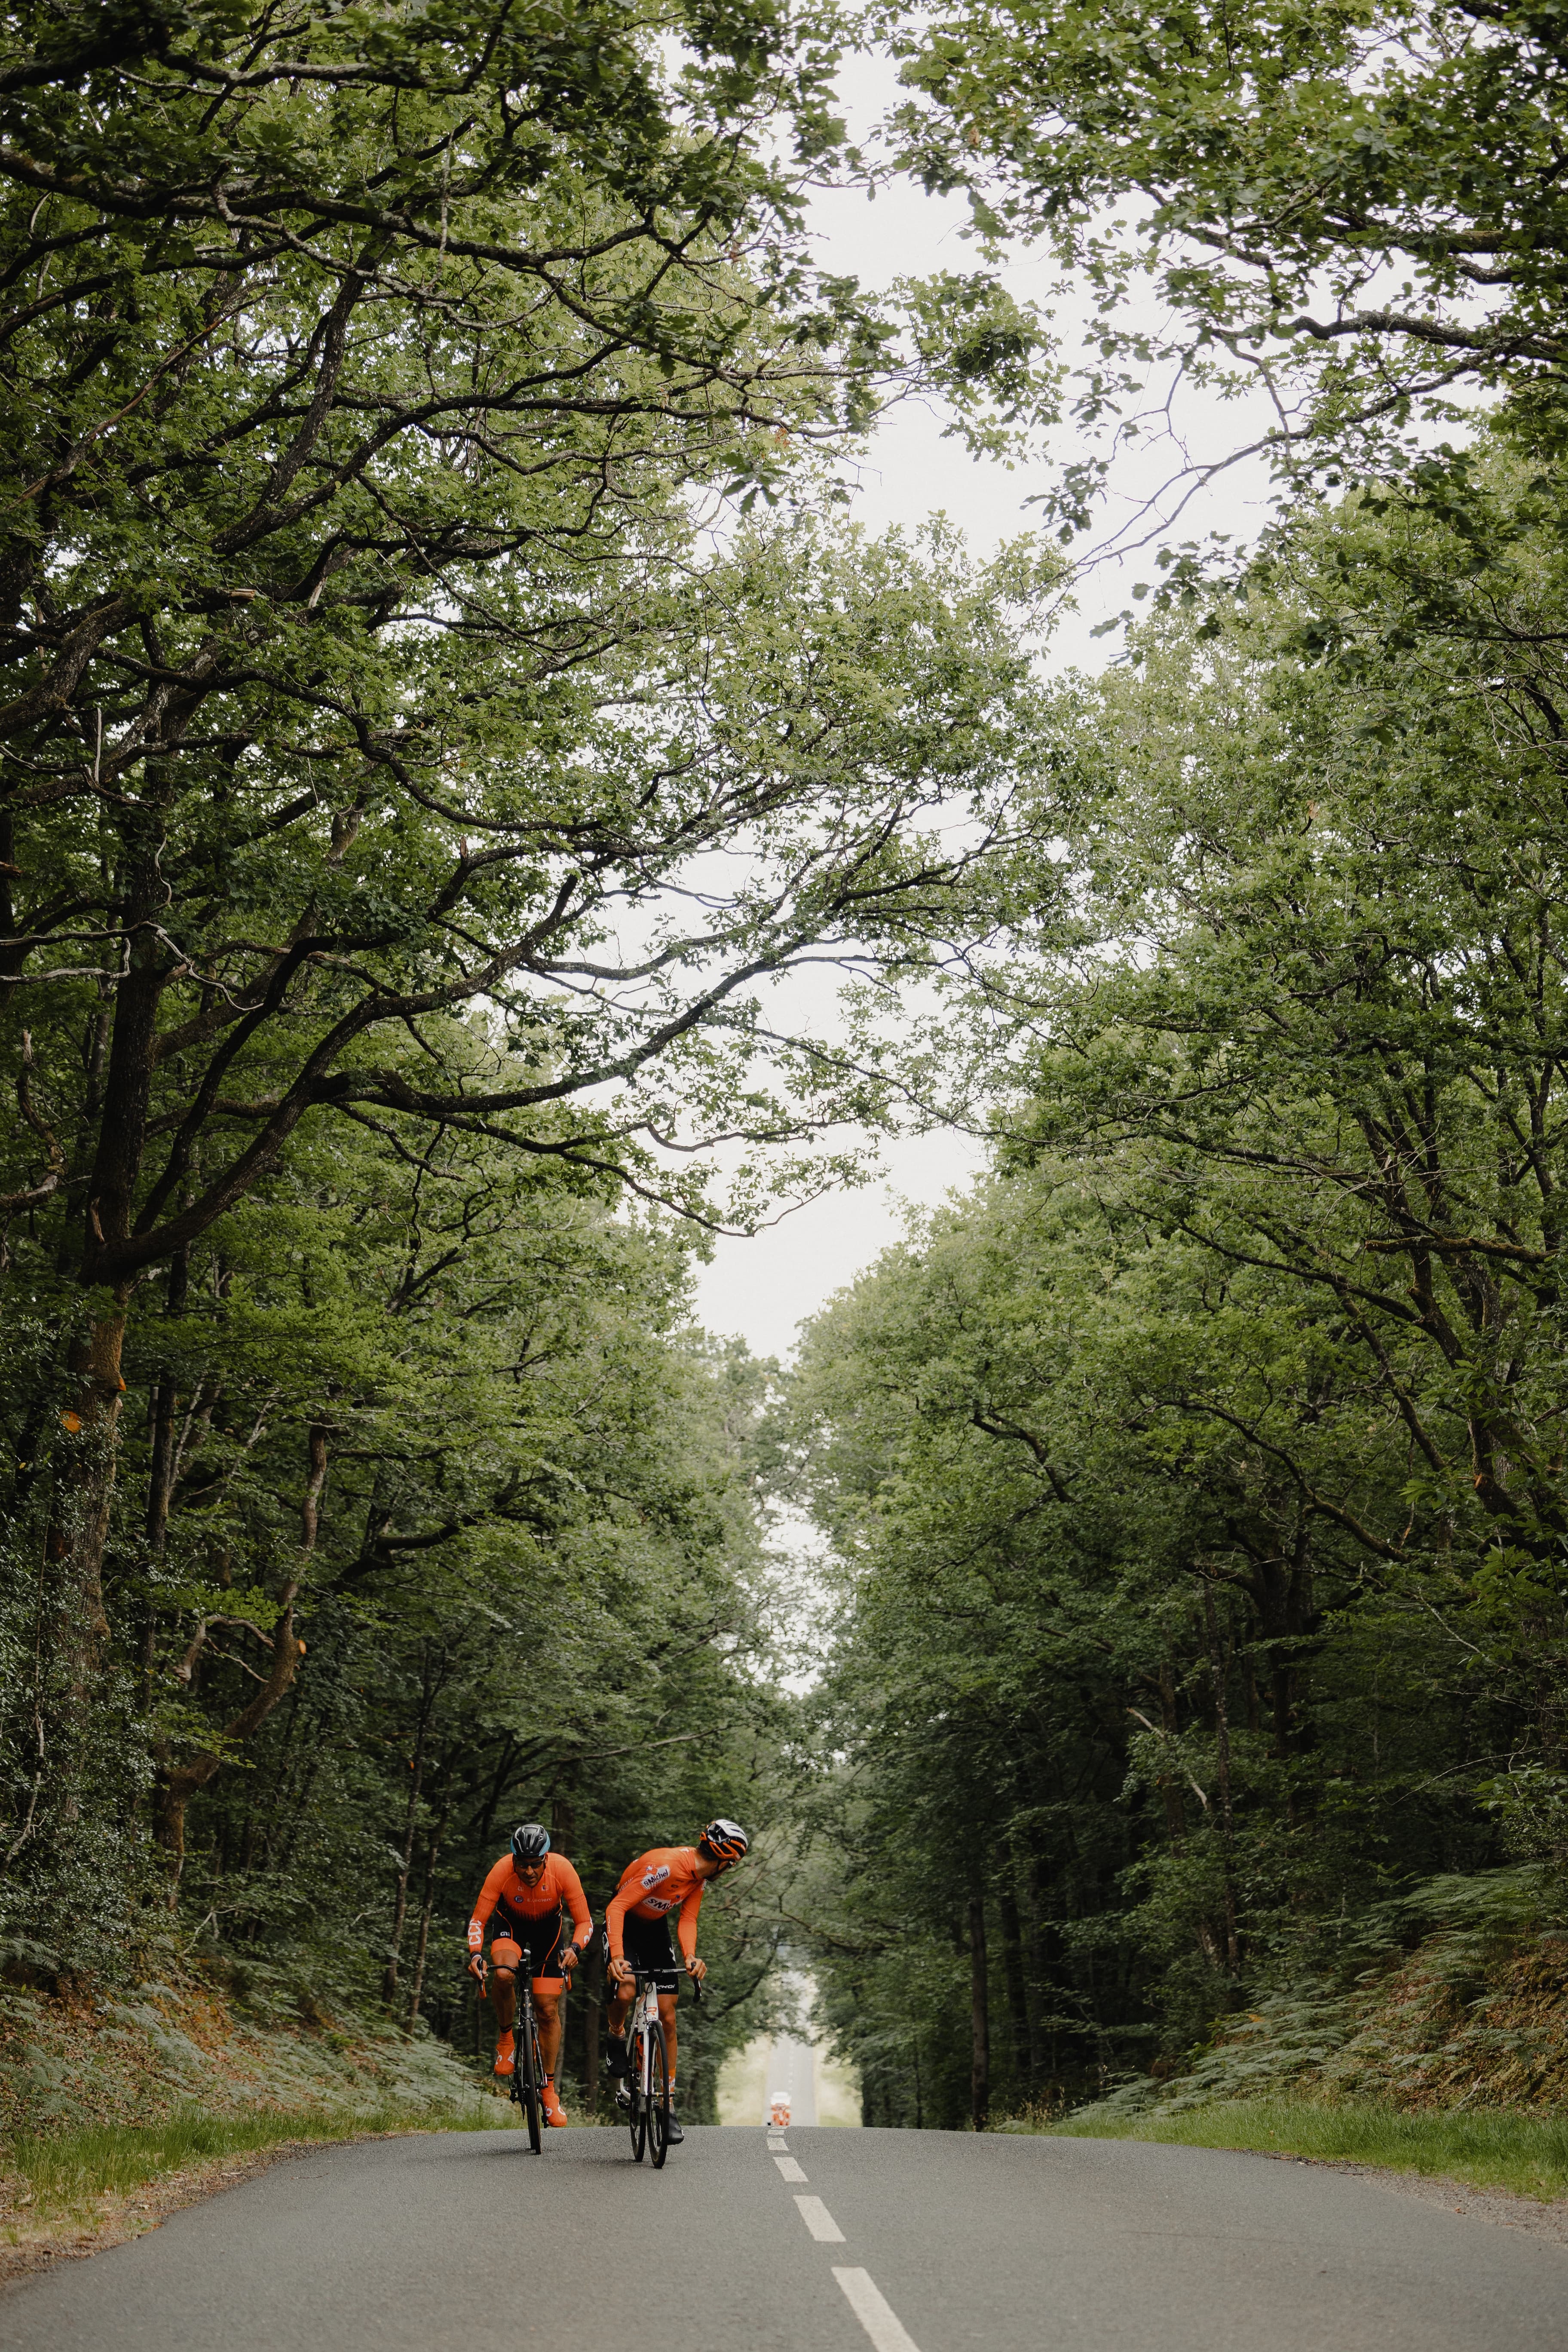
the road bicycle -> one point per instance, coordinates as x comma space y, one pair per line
527, 2074
647, 2069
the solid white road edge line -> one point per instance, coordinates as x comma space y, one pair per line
820, 2223
875, 2313
788, 2169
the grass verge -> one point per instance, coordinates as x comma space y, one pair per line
1488, 2149
73, 2190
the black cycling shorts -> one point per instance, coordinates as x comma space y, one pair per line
646, 1944
541, 1940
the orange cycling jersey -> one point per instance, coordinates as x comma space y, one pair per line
520, 1906
651, 1887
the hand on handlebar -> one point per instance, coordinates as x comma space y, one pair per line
696, 1968
477, 1969
620, 1972
569, 1960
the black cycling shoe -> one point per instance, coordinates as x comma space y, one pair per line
673, 2132
616, 2058
623, 2097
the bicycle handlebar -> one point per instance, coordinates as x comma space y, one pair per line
646, 1975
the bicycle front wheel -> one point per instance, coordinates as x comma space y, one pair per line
528, 2074
639, 2101
658, 2098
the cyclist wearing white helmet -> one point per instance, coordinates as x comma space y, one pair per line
669, 1878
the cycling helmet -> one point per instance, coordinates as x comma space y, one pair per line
530, 1843
727, 1840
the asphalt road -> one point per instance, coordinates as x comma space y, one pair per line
941, 2242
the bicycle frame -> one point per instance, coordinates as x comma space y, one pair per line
650, 2102
644, 2012
647, 2081
528, 2065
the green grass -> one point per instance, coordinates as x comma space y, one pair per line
1494, 2148
62, 2174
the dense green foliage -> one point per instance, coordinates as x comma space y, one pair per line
1355, 209
419, 1460
409, 799
1199, 1483
446, 704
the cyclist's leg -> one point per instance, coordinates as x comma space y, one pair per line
666, 2019
615, 2016
506, 1958
634, 1933
547, 1992
673, 2133
657, 1953
549, 1984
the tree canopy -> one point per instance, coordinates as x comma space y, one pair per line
445, 697
448, 702
1356, 210
1198, 1485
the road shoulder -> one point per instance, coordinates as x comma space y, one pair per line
114, 2219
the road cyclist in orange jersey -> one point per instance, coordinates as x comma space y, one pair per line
668, 1878
524, 1893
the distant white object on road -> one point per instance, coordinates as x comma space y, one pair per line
778, 2109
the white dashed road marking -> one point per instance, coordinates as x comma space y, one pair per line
865, 2298
821, 2224
872, 2309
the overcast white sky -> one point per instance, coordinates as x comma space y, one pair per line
764, 1287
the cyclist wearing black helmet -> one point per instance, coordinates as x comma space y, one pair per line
524, 1893
637, 1929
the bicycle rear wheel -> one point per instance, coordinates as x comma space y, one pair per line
527, 2071
639, 2105
658, 2099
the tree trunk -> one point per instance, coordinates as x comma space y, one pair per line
78, 1533
1036, 1974
428, 1904
180, 1782
410, 1826
592, 2014
1170, 1784
161, 1472
1222, 1758
979, 2016
1013, 1977
84, 1476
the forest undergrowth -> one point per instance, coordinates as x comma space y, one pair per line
119, 2100
76, 2190
1498, 2149
95, 2053
1447, 2058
